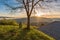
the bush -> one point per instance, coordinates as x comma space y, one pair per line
8, 22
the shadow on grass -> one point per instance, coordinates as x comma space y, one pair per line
23, 33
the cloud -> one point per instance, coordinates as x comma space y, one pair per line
51, 8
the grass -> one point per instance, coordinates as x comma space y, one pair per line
9, 32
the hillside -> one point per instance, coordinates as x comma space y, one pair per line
52, 29
9, 32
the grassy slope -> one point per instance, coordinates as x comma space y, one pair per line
9, 32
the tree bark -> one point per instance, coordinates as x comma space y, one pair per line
28, 22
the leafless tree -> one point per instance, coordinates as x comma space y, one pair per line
28, 5
29, 10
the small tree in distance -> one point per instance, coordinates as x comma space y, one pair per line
28, 5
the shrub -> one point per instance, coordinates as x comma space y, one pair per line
8, 22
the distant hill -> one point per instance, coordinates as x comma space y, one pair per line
5, 17
34, 19
52, 29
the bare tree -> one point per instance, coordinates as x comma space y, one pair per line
28, 5
29, 10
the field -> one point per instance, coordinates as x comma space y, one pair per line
10, 32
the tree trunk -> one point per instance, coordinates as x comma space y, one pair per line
28, 22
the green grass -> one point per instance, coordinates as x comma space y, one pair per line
9, 32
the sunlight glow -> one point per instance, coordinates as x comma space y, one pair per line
39, 14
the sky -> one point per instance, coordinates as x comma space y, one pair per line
50, 8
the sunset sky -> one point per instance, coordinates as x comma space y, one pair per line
50, 8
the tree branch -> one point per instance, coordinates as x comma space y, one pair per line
34, 5
41, 6
13, 8
38, 2
25, 6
